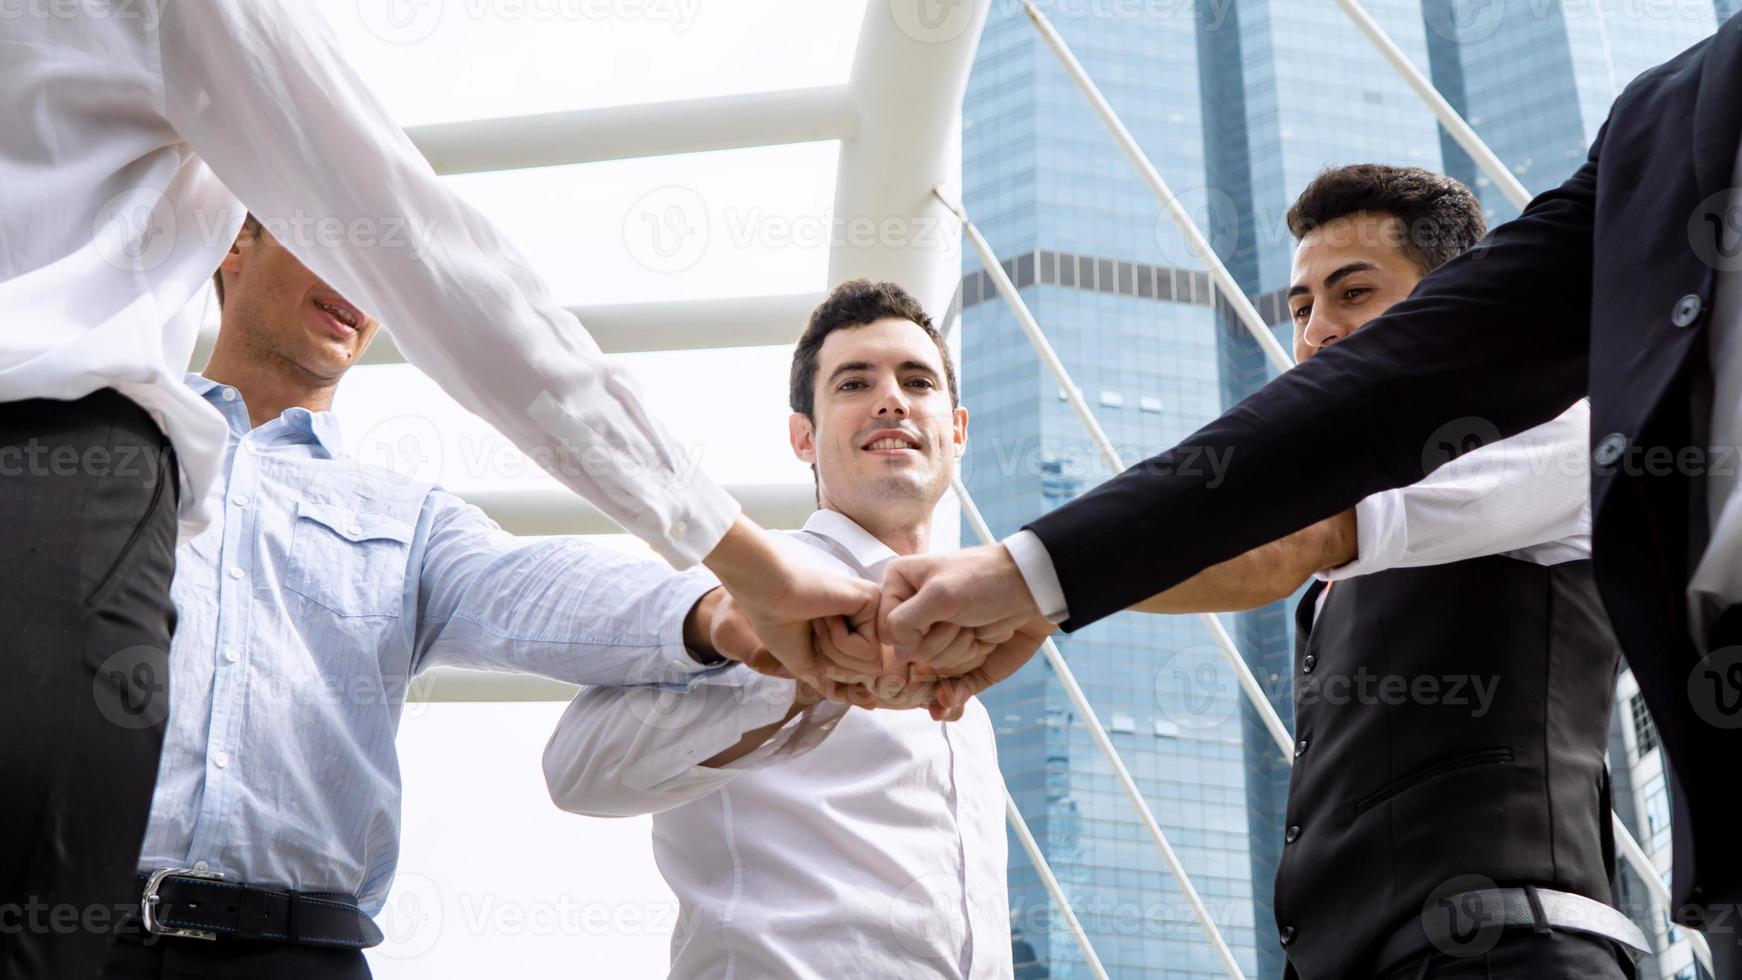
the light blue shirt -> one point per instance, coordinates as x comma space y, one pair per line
321, 588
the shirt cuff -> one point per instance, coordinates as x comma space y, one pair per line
1035, 564
687, 527
1381, 537
675, 605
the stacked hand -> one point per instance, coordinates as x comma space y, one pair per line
942, 628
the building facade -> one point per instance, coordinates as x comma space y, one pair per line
1238, 103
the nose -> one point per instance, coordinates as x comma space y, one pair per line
892, 402
1323, 331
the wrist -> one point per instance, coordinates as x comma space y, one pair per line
698, 637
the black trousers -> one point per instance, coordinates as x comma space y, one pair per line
88, 493
133, 958
1523, 954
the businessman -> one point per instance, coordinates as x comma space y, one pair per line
321, 588
817, 841
1453, 667
1624, 283
137, 134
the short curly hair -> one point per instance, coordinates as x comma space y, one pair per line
1441, 218
856, 303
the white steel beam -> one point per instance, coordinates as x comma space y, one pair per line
727, 122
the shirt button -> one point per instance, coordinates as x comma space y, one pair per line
1308, 663
355, 529
240, 500
1286, 935
1687, 310
231, 656
247, 447
236, 571
1300, 748
229, 394
1293, 834
680, 528
1610, 449
221, 760
202, 867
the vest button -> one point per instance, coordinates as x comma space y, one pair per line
1300, 748
1293, 834
1609, 450
1687, 310
1308, 663
1286, 935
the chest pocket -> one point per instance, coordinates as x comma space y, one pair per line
350, 562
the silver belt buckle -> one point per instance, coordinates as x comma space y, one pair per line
148, 903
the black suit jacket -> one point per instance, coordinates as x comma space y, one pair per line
1602, 286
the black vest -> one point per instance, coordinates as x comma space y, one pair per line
1450, 721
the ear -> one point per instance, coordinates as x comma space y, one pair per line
803, 436
959, 433
240, 249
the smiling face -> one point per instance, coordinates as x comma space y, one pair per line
1346, 272
283, 314
883, 435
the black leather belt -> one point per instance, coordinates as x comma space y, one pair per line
188, 904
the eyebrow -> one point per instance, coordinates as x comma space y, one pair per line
852, 366
1331, 280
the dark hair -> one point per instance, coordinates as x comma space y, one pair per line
856, 303
251, 225
1441, 219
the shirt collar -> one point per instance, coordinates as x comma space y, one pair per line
322, 428
870, 553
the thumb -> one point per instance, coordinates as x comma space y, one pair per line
902, 618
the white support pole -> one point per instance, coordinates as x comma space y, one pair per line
1043, 348
1086, 711
1653, 878
1053, 887
1442, 110
1219, 274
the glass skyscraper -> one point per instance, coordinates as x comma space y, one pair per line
1238, 103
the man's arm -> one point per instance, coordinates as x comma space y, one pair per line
563, 608
1266, 574
263, 94
1490, 344
624, 751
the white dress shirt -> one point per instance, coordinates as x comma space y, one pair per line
852, 844
131, 129
1527, 497
1717, 579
